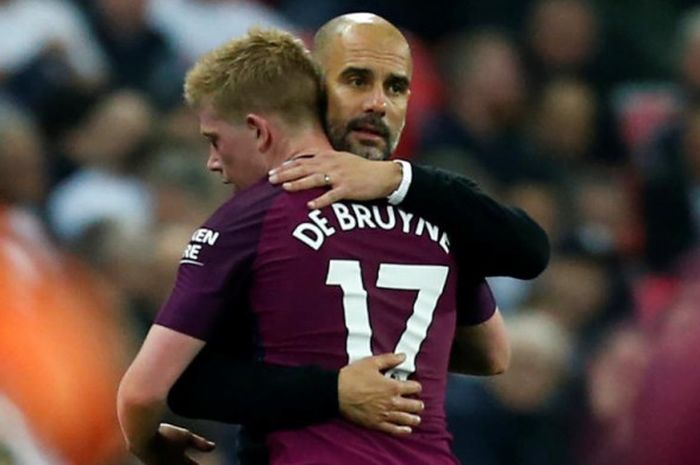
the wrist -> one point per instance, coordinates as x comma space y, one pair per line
401, 189
342, 374
395, 176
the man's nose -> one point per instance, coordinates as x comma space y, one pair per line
213, 162
376, 101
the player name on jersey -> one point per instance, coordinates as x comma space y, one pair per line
350, 216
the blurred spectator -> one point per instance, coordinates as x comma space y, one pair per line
22, 160
670, 166
564, 126
607, 220
519, 417
138, 55
564, 37
641, 110
574, 291
179, 127
485, 96
565, 42
194, 27
46, 46
615, 379
104, 189
545, 204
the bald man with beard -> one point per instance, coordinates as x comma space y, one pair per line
366, 67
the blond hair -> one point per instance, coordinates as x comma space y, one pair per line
267, 71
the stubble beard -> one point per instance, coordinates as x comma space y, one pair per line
339, 137
369, 152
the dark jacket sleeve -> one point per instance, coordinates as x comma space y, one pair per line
489, 239
261, 396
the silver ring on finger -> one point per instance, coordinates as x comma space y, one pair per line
326, 180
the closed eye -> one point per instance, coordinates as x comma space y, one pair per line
213, 139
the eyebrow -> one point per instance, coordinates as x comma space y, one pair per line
364, 72
355, 71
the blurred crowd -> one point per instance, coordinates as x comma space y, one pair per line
584, 113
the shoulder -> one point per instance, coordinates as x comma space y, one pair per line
245, 208
232, 233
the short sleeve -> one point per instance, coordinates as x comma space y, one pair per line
215, 266
475, 303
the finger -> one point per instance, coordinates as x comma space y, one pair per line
201, 444
309, 163
286, 165
409, 388
403, 419
393, 429
309, 182
292, 173
407, 405
386, 361
326, 199
189, 460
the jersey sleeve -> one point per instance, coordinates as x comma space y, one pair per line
475, 303
213, 271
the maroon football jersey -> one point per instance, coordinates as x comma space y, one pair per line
328, 287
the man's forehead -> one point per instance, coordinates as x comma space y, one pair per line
209, 119
361, 52
206, 113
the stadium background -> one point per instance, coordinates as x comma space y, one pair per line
584, 113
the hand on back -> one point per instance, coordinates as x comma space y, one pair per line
370, 399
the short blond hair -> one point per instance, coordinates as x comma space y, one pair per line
267, 71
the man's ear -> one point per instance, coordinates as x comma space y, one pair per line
260, 129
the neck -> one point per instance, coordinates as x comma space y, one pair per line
304, 142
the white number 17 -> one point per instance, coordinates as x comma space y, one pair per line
428, 280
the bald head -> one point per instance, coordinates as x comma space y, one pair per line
366, 65
351, 24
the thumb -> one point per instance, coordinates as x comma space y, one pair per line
201, 444
386, 361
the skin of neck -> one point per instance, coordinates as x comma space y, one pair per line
294, 142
